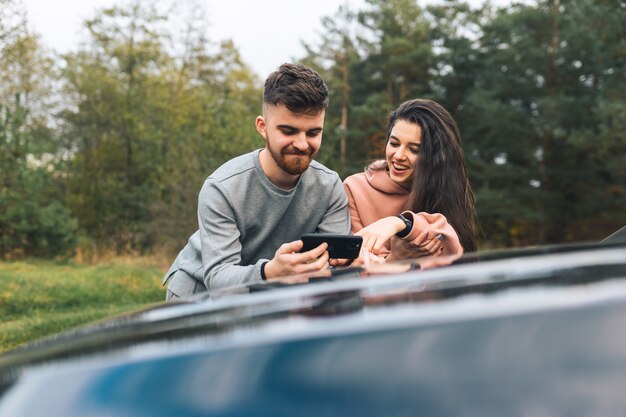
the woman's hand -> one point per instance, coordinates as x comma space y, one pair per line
367, 258
432, 245
376, 234
423, 245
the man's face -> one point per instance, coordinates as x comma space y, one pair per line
292, 140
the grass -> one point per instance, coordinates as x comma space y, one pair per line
39, 298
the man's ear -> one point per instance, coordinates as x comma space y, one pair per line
260, 125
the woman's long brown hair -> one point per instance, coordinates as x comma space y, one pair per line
440, 183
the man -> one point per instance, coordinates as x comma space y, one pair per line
254, 203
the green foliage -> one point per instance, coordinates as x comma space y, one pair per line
334, 58
147, 126
537, 89
41, 298
533, 111
33, 225
398, 57
148, 107
33, 220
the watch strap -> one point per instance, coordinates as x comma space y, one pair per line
408, 226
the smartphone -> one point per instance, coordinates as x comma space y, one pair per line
339, 246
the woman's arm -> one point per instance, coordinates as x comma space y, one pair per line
376, 234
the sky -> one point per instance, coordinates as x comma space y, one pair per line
264, 37
267, 33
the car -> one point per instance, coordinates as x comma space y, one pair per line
520, 332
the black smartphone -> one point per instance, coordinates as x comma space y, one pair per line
339, 246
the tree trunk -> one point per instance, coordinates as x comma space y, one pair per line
345, 91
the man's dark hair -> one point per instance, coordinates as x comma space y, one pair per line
298, 87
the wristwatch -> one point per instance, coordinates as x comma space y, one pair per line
407, 229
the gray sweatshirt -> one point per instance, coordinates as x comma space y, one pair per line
243, 218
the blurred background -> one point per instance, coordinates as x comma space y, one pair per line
105, 141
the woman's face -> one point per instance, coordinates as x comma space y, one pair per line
402, 150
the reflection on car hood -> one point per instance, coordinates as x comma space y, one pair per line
350, 290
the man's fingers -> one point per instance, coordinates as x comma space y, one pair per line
290, 247
320, 251
319, 264
339, 262
313, 253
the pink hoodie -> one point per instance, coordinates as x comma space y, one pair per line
372, 195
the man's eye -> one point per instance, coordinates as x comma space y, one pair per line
289, 132
313, 133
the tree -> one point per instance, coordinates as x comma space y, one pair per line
209, 120
334, 57
111, 178
153, 113
535, 104
455, 31
33, 218
368, 59
397, 66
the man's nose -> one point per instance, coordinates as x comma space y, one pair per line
301, 143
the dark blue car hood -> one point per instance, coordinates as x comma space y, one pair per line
527, 332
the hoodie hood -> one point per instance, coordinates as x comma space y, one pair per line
377, 176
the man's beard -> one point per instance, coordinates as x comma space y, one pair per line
293, 166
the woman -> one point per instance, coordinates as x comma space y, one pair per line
420, 193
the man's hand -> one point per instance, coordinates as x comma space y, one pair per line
287, 260
376, 234
340, 262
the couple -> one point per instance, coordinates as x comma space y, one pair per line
253, 209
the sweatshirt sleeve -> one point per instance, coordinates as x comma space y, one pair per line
434, 224
219, 240
337, 218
